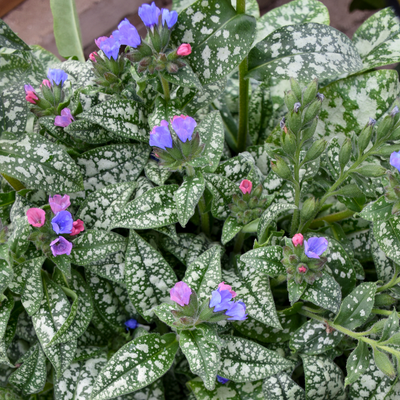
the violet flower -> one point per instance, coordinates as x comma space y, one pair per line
57, 76
65, 119
184, 127
220, 300
128, 34
60, 246
149, 14
395, 160
237, 311
169, 17
160, 136
111, 45
180, 293
131, 324
315, 246
62, 222
222, 380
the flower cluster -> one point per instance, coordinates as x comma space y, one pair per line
303, 258
392, 189
58, 222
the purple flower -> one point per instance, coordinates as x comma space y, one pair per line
395, 160
169, 17
111, 45
57, 76
222, 380
131, 324
237, 311
59, 203
60, 246
128, 34
184, 127
220, 300
99, 40
180, 293
65, 119
315, 246
160, 136
149, 14
62, 222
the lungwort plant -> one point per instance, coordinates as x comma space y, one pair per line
211, 211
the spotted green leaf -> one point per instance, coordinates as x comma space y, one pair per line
14, 109
153, 209
378, 38
357, 363
202, 354
112, 164
122, 117
146, 359
94, 245
63, 263
293, 13
6, 275
112, 267
230, 229
357, 306
324, 292
187, 197
102, 206
148, 276
204, 273
282, 387
40, 164
185, 77
377, 211
265, 259
156, 172
303, 52
9, 39
387, 235
243, 360
30, 377
89, 132
222, 42
6, 307
324, 379
235, 169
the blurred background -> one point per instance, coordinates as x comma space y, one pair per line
33, 22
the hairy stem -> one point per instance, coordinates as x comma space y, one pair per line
297, 192
204, 217
239, 242
332, 217
165, 86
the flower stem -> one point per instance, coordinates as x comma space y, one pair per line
332, 217
204, 217
165, 86
239, 242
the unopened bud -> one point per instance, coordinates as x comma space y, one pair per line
312, 111
288, 143
310, 92
371, 170
290, 99
316, 149
371, 121
281, 168
172, 68
384, 127
296, 89
394, 111
145, 62
364, 138
308, 209
345, 153
308, 132
296, 107
294, 122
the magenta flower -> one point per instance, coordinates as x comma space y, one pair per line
297, 239
302, 269
245, 186
315, 246
58, 203
184, 49
180, 293
92, 56
184, 126
224, 286
36, 217
31, 95
60, 246
77, 227
65, 119
47, 83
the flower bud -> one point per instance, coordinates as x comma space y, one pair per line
365, 137
294, 121
281, 168
294, 85
308, 132
371, 170
290, 100
297, 239
307, 210
312, 110
310, 92
316, 149
245, 186
184, 49
385, 126
288, 143
172, 68
345, 153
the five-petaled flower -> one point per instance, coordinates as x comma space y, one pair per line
180, 293
59, 203
184, 126
160, 136
60, 246
36, 217
395, 160
65, 119
149, 14
315, 246
62, 222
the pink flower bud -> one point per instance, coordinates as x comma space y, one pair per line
92, 56
245, 186
180, 293
184, 49
302, 269
77, 227
36, 217
297, 239
31, 95
224, 286
47, 83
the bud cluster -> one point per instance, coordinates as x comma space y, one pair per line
392, 190
250, 205
302, 258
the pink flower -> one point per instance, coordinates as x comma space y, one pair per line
297, 239
65, 119
302, 269
77, 227
184, 49
31, 95
99, 40
245, 186
92, 56
180, 293
36, 217
224, 286
47, 83
59, 203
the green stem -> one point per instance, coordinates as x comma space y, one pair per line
165, 86
204, 217
332, 217
382, 312
243, 93
393, 282
297, 191
239, 242
278, 280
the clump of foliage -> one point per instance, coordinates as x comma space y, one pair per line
209, 212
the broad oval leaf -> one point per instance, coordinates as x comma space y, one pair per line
282, 387
357, 363
387, 234
266, 260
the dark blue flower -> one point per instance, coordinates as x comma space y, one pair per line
236, 311
62, 222
57, 76
169, 17
128, 34
160, 136
222, 380
220, 300
111, 46
131, 324
315, 246
149, 14
184, 127
395, 160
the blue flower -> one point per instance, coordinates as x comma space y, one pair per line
237, 311
395, 160
184, 127
128, 34
111, 46
149, 14
220, 299
222, 380
131, 324
57, 76
315, 246
160, 136
62, 222
169, 17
